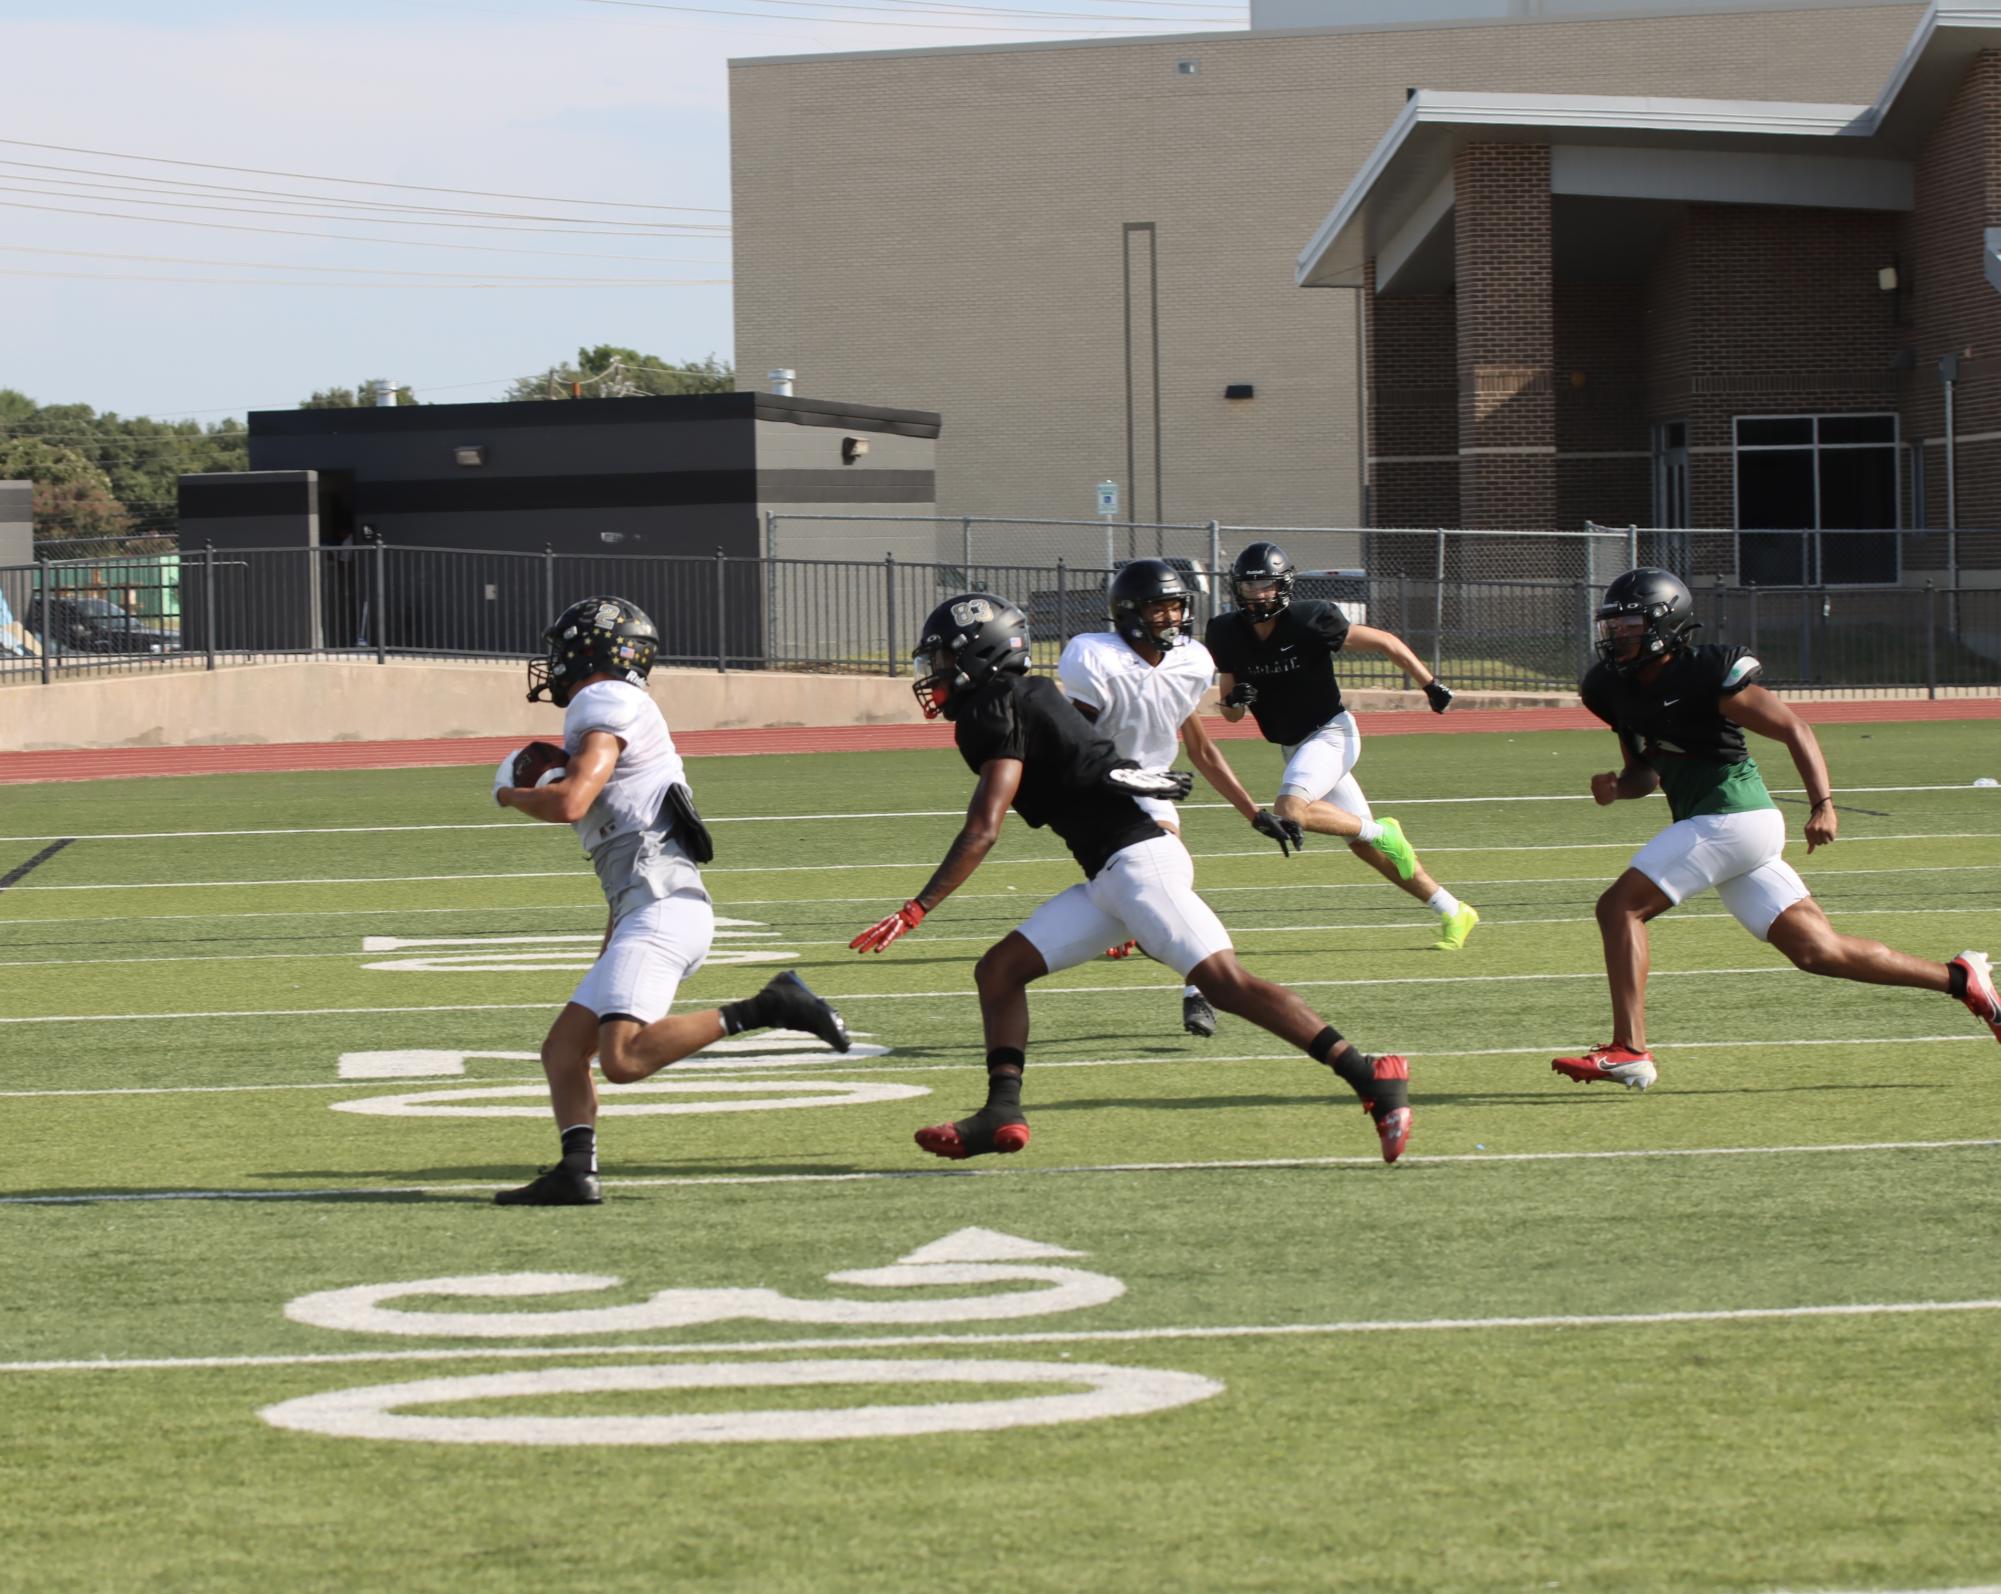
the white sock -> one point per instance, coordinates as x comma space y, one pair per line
1442, 902
1370, 830
1189, 990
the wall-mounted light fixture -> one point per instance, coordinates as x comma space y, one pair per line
852, 449
1187, 66
469, 454
1240, 390
1886, 279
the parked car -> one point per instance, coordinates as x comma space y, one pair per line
97, 625
1087, 606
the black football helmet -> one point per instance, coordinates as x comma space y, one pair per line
599, 636
1140, 584
984, 635
1660, 601
1258, 564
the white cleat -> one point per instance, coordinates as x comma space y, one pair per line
1982, 1000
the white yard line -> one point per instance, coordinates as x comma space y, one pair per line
915, 864
1823, 871
907, 813
1441, 978
886, 1175
727, 1067
1079, 1336
985, 939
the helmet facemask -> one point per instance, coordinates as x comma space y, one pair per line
1264, 597
935, 692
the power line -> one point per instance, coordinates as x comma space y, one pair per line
339, 237
358, 182
858, 22
374, 271
382, 221
268, 282
929, 8
367, 207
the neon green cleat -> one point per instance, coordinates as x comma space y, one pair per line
1455, 927
1391, 845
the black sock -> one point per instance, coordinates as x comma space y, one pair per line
750, 1013
1381, 1093
1955, 981
580, 1146
1004, 1065
1321, 1047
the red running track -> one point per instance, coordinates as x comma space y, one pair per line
112, 763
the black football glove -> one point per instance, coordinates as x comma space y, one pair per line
1128, 777
1242, 695
1438, 695
1285, 832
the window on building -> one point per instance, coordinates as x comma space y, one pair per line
1804, 483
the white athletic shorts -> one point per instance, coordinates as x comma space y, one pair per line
1146, 892
1320, 767
653, 948
1738, 854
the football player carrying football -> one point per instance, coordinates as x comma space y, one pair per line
1139, 684
625, 793
1277, 660
1680, 710
1035, 753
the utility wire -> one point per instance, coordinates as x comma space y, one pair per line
269, 282
342, 237
367, 207
359, 182
56, 188
373, 271
381, 221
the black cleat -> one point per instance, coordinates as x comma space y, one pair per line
560, 1186
1197, 1016
790, 1004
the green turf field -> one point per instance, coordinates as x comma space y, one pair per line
268, 1049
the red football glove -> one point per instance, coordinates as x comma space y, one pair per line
883, 931
1126, 950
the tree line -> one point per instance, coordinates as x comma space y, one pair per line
105, 475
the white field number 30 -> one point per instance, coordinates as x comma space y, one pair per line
969, 1257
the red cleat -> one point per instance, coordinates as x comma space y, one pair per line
1612, 1064
1394, 1128
970, 1139
1982, 1000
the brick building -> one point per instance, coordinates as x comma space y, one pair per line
1076, 250
1744, 313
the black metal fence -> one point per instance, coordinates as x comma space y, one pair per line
76, 618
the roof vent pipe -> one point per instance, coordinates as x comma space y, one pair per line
782, 380
385, 395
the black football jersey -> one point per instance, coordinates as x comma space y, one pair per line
1674, 724
1063, 760
1293, 668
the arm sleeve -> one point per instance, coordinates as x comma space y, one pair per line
1737, 668
1592, 691
1330, 625
1078, 675
1216, 639
598, 711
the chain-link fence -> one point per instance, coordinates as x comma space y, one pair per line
1486, 610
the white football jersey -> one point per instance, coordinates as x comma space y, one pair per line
648, 765
1141, 706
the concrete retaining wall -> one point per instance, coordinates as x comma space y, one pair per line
332, 702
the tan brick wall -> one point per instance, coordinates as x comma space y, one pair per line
1952, 308
941, 230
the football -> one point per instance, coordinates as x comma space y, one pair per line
534, 765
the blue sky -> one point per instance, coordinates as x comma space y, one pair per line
573, 99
